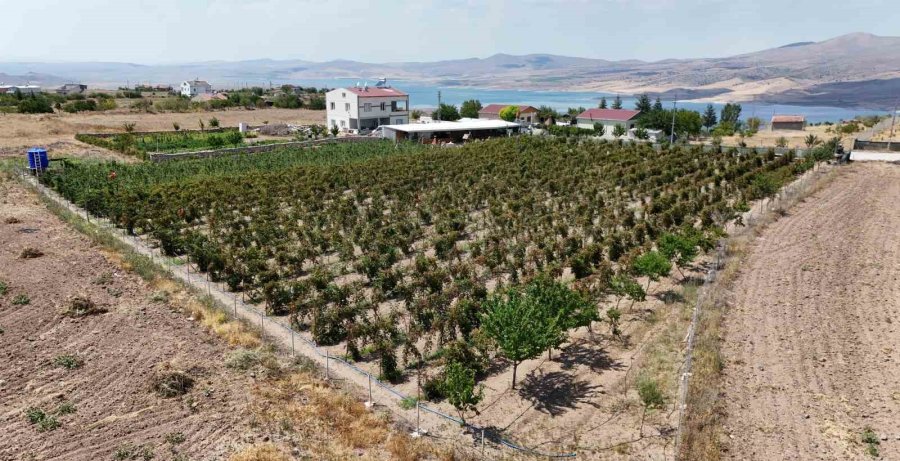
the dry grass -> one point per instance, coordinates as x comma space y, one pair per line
263, 452
703, 434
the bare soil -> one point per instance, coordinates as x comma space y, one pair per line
57, 131
120, 350
812, 336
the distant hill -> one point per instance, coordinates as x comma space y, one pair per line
816, 73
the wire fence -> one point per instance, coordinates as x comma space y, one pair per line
753, 218
276, 329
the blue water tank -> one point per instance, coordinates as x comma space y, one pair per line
37, 159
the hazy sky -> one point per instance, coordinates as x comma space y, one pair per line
165, 31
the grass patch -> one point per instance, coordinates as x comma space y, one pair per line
174, 438
408, 403
3, 288
66, 408
80, 306
167, 382
870, 439
21, 300
134, 452
41, 420
69, 362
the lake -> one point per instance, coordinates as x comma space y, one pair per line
425, 95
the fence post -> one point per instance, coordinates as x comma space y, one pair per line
370, 403
292, 342
482, 442
326, 365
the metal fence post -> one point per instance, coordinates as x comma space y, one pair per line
482, 442
292, 342
370, 403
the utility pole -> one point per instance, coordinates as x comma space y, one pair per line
439, 106
893, 121
672, 134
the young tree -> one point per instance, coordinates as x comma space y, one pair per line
657, 105
176, 126
603, 104
509, 113
213, 122
617, 103
652, 265
679, 248
781, 142
642, 134
643, 104
518, 326
459, 386
570, 308
753, 124
415, 114
812, 141
470, 108
731, 113
622, 286
709, 117
618, 131
547, 112
446, 113
599, 129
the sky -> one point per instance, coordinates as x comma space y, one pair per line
180, 31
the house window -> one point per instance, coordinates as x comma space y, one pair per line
332, 105
343, 95
383, 106
347, 106
367, 107
398, 106
343, 124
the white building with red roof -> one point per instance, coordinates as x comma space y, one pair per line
609, 118
366, 107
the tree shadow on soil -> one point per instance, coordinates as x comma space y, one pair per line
557, 392
592, 356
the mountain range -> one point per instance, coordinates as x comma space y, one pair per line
856, 70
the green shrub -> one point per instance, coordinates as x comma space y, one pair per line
87, 105
651, 395
21, 300
68, 361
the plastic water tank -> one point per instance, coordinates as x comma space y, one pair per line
37, 159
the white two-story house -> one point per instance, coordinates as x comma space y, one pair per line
193, 88
366, 108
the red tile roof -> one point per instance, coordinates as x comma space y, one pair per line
496, 108
373, 92
621, 115
788, 119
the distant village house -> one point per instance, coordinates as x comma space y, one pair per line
25, 90
71, 88
193, 88
609, 118
524, 114
788, 122
366, 107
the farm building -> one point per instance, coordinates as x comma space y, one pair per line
609, 118
366, 107
71, 88
456, 132
525, 114
23, 89
788, 122
191, 88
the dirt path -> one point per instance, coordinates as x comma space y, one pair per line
119, 349
813, 336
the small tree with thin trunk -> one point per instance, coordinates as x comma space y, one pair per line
459, 386
519, 326
652, 265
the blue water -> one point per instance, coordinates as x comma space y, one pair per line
425, 95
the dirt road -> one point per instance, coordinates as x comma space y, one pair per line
813, 336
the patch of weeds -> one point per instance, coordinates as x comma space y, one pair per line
68, 361
43, 421
408, 403
160, 296
3, 288
30, 253
104, 279
870, 438
651, 395
80, 306
174, 438
242, 359
66, 408
132, 452
115, 292
21, 300
170, 383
